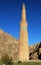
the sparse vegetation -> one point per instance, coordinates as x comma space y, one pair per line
28, 63
6, 60
22, 63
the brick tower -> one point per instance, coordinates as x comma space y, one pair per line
23, 45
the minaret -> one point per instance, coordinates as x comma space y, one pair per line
23, 45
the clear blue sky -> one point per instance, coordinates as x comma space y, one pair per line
10, 18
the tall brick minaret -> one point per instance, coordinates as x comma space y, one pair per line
23, 45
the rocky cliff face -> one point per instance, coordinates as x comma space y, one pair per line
35, 52
10, 46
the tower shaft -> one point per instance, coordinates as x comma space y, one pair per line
23, 45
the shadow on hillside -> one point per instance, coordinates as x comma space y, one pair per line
39, 57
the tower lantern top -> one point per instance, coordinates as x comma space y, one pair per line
23, 6
23, 13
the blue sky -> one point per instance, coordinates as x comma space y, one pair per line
10, 18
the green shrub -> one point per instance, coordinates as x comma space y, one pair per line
6, 59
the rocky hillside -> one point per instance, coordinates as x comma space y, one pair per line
35, 52
8, 45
